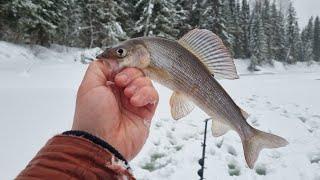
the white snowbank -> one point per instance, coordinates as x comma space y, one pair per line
37, 95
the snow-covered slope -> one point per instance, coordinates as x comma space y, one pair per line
37, 95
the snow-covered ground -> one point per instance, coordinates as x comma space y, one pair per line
37, 96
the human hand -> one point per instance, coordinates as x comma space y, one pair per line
119, 113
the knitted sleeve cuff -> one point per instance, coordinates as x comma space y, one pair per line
99, 142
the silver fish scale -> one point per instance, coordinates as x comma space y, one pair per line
193, 78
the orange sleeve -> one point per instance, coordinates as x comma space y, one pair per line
75, 157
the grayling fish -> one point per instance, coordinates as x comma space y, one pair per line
189, 67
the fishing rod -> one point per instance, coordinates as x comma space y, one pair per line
201, 161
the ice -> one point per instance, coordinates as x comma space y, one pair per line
37, 97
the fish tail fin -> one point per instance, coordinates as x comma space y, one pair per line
257, 142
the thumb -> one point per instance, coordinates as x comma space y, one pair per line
96, 75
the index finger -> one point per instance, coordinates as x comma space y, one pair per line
126, 76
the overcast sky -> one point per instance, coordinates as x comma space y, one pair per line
305, 9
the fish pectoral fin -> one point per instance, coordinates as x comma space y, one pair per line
180, 105
210, 50
244, 113
219, 128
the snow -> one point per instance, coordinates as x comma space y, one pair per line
37, 96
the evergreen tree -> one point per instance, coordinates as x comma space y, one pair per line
125, 14
292, 35
258, 46
216, 21
245, 28
237, 31
184, 11
228, 15
316, 39
159, 18
207, 15
65, 26
278, 41
267, 26
8, 21
37, 21
195, 11
298, 44
307, 41
99, 25
309, 30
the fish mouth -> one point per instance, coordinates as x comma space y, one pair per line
113, 65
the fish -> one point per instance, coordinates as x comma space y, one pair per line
190, 67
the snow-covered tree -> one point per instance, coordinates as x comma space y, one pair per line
316, 39
278, 40
307, 41
228, 15
292, 35
183, 9
219, 21
298, 44
99, 25
159, 18
267, 25
258, 46
237, 31
90, 23
309, 30
37, 21
245, 28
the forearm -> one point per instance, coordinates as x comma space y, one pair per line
82, 157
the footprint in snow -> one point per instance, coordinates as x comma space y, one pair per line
219, 143
314, 158
178, 147
302, 119
285, 113
154, 164
274, 154
158, 124
261, 169
275, 108
250, 99
156, 142
212, 151
268, 103
231, 150
316, 116
234, 169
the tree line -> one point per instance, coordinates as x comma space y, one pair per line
261, 31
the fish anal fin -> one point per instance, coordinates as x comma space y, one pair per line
257, 142
219, 128
180, 105
210, 50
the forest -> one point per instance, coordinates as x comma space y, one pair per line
261, 31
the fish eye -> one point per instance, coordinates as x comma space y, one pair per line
121, 52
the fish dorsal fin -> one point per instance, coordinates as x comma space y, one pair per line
180, 105
210, 50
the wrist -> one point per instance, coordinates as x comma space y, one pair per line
96, 140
